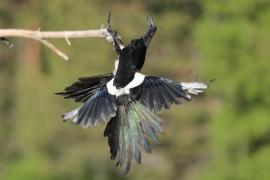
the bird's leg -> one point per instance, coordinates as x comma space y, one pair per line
150, 32
117, 43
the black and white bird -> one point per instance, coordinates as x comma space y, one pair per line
126, 100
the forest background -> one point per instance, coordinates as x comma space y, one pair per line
224, 134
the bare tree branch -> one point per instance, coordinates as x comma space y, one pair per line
53, 48
41, 36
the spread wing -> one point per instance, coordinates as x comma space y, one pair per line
98, 105
86, 87
158, 92
98, 109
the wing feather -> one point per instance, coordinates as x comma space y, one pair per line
85, 87
158, 92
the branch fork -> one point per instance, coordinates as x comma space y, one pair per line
42, 36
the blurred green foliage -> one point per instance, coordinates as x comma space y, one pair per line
222, 135
234, 38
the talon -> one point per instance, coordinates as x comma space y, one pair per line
116, 39
109, 20
151, 22
151, 30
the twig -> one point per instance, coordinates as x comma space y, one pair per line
53, 48
41, 36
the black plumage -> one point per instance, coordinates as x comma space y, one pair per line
158, 93
126, 100
132, 57
126, 68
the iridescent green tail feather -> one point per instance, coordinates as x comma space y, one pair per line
131, 130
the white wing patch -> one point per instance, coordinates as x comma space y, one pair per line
194, 87
138, 80
72, 115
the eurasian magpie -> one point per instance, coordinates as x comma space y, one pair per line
126, 100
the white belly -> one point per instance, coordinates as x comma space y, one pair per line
137, 80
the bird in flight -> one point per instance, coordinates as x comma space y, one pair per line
126, 100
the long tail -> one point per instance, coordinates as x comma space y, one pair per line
129, 131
